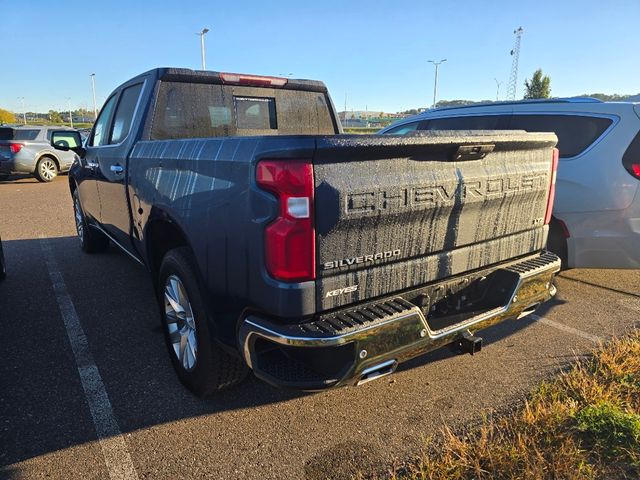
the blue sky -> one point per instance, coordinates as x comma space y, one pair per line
375, 52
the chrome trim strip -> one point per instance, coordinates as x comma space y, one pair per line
98, 227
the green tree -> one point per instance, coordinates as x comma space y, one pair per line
539, 86
55, 117
6, 116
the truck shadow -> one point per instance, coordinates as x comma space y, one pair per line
489, 336
42, 402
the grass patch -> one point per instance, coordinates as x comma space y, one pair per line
584, 424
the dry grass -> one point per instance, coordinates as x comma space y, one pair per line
585, 424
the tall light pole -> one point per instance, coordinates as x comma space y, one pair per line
202, 52
70, 114
497, 89
435, 82
24, 110
93, 88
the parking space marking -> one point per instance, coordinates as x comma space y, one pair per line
116, 456
631, 303
567, 329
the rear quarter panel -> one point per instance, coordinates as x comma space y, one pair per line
207, 187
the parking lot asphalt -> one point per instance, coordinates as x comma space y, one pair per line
48, 430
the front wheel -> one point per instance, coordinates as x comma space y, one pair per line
91, 240
46, 170
202, 366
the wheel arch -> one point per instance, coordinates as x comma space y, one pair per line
557, 242
161, 234
48, 154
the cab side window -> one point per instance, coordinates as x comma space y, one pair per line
100, 129
124, 113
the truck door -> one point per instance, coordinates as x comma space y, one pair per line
87, 184
111, 171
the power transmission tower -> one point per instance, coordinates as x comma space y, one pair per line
515, 53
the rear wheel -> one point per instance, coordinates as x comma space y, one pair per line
46, 169
91, 240
557, 242
4, 176
202, 366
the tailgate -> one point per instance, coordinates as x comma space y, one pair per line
397, 212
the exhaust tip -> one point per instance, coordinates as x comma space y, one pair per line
378, 371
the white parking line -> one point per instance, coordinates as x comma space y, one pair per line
116, 456
567, 329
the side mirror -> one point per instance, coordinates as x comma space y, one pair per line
66, 140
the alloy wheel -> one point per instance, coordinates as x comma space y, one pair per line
180, 322
48, 169
79, 219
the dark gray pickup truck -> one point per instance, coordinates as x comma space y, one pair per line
316, 259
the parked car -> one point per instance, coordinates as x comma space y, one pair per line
596, 217
28, 150
316, 259
3, 267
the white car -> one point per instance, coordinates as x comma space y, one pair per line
596, 217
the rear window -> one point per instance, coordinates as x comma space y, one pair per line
18, 134
198, 110
575, 132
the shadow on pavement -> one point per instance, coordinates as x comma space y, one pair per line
42, 402
597, 285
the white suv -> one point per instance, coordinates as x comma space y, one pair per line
596, 217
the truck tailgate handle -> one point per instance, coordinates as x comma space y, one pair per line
472, 152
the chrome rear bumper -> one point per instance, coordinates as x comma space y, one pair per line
356, 345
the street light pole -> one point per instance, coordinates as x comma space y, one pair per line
93, 88
70, 114
202, 52
435, 82
498, 89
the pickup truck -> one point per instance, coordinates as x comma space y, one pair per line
315, 259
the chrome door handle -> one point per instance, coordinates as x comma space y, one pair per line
118, 169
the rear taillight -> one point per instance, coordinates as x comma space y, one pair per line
631, 158
552, 186
290, 239
14, 147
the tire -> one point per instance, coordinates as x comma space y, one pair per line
3, 268
91, 240
4, 176
557, 243
46, 170
201, 365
